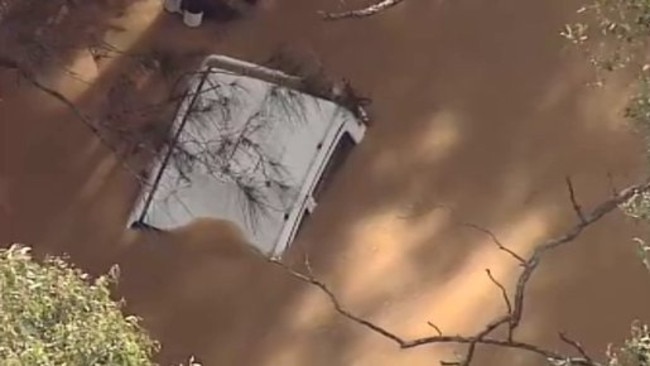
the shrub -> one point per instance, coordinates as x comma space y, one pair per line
52, 314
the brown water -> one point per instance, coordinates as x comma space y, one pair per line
478, 106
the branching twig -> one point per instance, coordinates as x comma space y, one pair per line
480, 229
539, 252
439, 338
515, 307
361, 13
575, 345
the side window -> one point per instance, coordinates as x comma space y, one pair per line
340, 154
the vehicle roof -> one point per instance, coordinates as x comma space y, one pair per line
245, 140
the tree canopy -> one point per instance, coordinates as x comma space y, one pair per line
53, 314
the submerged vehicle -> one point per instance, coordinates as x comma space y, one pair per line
251, 145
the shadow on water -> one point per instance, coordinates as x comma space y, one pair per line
500, 98
477, 108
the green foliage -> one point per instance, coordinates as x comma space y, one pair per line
635, 351
614, 33
638, 207
638, 113
52, 314
643, 250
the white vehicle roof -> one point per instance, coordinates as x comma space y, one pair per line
246, 152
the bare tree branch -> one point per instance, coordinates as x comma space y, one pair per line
432, 325
10, 64
439, 338
496, 241
575, 345
478, 228
361, 13
574, 202
504, 292
515, 308
533, 261
335, 302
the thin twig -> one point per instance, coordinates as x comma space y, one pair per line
432, 325
504, 292
361, 13
480, 229
574, 201
496, 241
576, 345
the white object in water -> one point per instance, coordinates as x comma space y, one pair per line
192, 20
173, 6
303, 140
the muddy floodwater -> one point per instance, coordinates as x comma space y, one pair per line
480, 111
